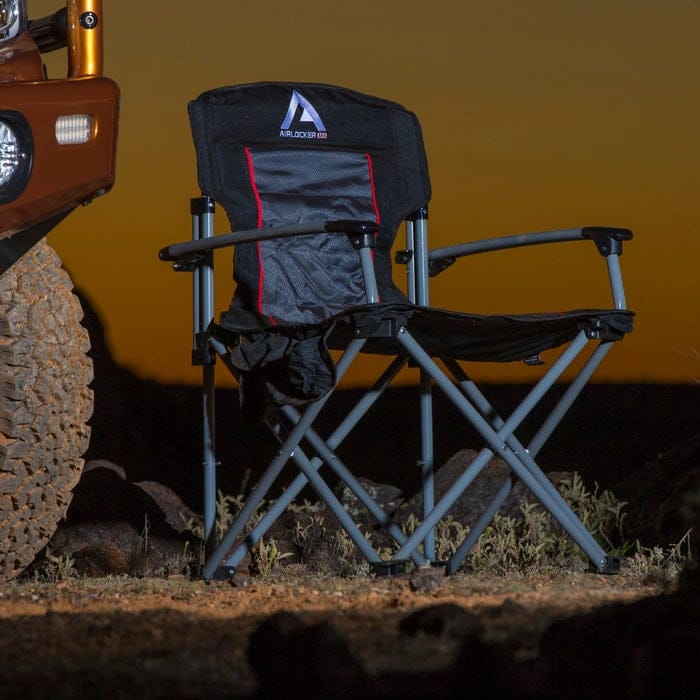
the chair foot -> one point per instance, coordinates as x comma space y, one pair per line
611, 565
222, 573
388, 568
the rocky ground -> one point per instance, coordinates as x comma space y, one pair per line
301, 634
108, 613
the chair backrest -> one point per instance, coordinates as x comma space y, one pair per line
282, 153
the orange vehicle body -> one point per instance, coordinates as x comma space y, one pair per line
61, 175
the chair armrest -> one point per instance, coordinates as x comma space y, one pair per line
608, 241
187, 249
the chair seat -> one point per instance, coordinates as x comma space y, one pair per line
473, 337
291, 363
442, 333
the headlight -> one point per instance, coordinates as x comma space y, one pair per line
15, 155
11, 18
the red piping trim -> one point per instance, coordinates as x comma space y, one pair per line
374, 196
258, 202
371, 185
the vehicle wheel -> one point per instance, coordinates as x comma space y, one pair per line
45, 403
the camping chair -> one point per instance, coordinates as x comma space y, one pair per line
316, 180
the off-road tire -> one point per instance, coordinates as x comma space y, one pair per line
45, 403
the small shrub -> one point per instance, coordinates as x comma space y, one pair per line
52, 568
227, 508
535, 539
266, 557
327, 550
532, 539
601, 512
663, 563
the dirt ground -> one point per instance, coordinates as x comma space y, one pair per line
124, 637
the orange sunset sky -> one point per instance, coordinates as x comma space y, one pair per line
536, 115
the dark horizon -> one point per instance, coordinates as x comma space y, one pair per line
153, 431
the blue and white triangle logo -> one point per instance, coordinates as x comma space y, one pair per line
299, 127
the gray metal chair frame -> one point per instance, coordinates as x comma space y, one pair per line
295, 427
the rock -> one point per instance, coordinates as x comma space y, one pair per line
103, 495
103, 557
240, 579
471, 503
117, 527
292, 659
426, 579
663, 497
177, 514
388, 497
113, 548
104, 464
443, 620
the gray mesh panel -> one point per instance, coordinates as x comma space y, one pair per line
308, 278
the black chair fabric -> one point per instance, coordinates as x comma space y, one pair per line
343, 155
281, 153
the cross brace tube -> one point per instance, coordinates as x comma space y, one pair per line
497, 440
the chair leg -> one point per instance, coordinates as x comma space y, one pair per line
271, 473
573, 523
464, 394
327, 456
219, 555
301, 428
478, 528
209, 460
498, 441
308, 467
445, 503
472, 392
346, 476
330, 499
427, 463
570, 395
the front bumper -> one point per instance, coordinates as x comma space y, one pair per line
62, 176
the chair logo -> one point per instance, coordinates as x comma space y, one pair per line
309, 116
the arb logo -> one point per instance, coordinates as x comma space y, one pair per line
301, 115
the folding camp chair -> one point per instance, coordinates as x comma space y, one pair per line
316, 180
